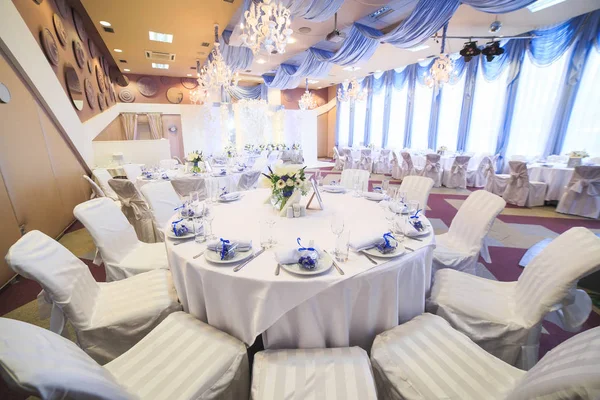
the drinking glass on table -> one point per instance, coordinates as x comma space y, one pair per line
389, 217
271, 220
385, 186
209, 217
199, 229
337, 226
413, 206
401, 196
342, 246
356, 186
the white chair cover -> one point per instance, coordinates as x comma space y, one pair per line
168, 164
496, 183
395, 165
366, 160
163, 203
135, 209
123, 254
338, 159
582, 194
96, 191
382, 165
182, 358
178, 160
456, 177
519, 190
249, 180
350, 162
479, 177
408, 169
108, 318
132, 171
517, 157
425, 359
103, 176
338, 373
417, 188
349, 175
505, 318
184, 185
433, 169
459, 248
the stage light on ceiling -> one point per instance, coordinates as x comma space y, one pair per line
105, 23
492, 50
470, 50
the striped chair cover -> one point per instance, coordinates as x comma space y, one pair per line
182, 358
338, 373
505, 318
163, 201
456, 177
582, 194
417, 188
408, 169
132, 171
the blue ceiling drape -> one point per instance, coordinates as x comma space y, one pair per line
313, 10
258, 92
236, 57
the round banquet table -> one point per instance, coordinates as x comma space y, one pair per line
328, 310
445, 161
556, 176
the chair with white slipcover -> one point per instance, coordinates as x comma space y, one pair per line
339, 160
180, 359
417, 188
96, 191
582, 194
520, 190
135, 208
433, 169
185, 185
132, 171
496, 183
408, 168
426, 359
178, 160
351, 162
382, 164
505, 318
123, 254
517, 157
479, 177
248, 180
163, 201
366, 160
108, 318
352, 176
456, 177
459, 248
168, 164
103, 176
395, 166
334, 373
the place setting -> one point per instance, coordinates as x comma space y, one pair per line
304, 261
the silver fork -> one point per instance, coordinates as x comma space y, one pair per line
277, 269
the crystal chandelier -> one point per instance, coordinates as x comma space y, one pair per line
307, 101
267, 25
351, 91
442, 71
216, 74
198, 95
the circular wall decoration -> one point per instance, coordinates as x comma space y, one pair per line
126, 96
90, 65
61, 34
91, 48
79, 53
79, 26
62, 8
101, 102
175, 95
113, 95
167, 80
89, 93
105, 65
4, 94
122, 81
38, 1
189, 83
74, 86
106, 101
147, 86
173, 129
100, 78
50, 46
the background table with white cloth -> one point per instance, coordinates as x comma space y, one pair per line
446, 161
556, 176
328, 310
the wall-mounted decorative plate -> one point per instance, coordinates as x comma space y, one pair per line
89, 93
4, 94
63, 9
147, 86
189, 83
113, 95
100, 79
50, 46
101, 102
79, 26
105, 65
175, 95
79, 53
38, 1
122, 81
74, 86
90, 65
126, 96
91, 48
173, 129
61, 34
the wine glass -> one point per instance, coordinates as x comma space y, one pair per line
337, 224
413, 206
385, 186
389, 216
209, 216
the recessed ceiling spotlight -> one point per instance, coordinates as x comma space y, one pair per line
127, 70
304, 29
118, 51
260, 61
189, 74
105, 23
351, 68
311, 81
291, 40
160, 37
418, 48
160, 66
377, 71
320, 87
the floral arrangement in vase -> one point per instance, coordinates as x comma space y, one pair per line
283, 186
230, 151
442, 149
371, 146
195, 158
249, 147
262, 147
579, 154
296, 146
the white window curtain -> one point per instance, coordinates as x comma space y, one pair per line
397, 119
378, 104
583, 131
421, 114
360, 114
535, 106
487, 113
449, 113
344, 121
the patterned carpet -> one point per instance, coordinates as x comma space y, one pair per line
514, 231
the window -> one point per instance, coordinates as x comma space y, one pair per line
449, 113
360, 114
397, 119
378, 105
421, 114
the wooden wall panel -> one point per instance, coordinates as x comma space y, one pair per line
175, 139
114, 131
9, 231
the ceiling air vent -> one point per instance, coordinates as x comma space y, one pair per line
248, 70
194, 68
228, 1
159, 56
108, 29
205, 44
123, 61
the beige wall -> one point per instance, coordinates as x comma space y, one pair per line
331, 121
114, 131
290, 97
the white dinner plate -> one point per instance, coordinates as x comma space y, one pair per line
334, 190
427, 231
376, 253
171, 235
215, 257
222, 200
324, 264
373, 196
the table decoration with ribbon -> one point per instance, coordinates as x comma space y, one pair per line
180, 228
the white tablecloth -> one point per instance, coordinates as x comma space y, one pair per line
329, 310
557, 177
229, 181
445, 161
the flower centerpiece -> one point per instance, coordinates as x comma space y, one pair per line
195, 159
296, 146
230, 151
442, 150
283, 186
249, 148
270, 147
578, 154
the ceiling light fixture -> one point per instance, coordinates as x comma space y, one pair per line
307, 101
312, 81
442, 71
105, 23
267, 25
260, 61
542, 4
127, 70
291, 40
350, 68
160, 37
160, 66
351, 91
189, 74
495, 26
216, 74
118, 51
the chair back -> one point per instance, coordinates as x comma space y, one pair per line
517, 188
432, 159
168, 164
178, 160
185, 185
132, 171
129, 197
406, 160
248, 180
554, 271
103, 176
163, 201
518, 157
586, 180
474, 220
336, 153
486, 167
95, 188
112, 233
569, 371
417, 188
64, 277
385, 154
349, 175
49, 366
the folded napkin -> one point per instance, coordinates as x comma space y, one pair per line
287, 256
397, 208
180, 227
406, 228
242, 245
365, 241
374, 196
334, 188
230, 196
221, 172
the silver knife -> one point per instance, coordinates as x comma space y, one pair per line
369, 257
277, 269
198, 255
242, 265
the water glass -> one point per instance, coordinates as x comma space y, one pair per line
266, 234
342, 246
195, 197
337, 224
401, 196
413, 206
199, 230
385, 186
209, 216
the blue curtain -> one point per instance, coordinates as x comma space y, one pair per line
289, 76
498, 6
236, 57
392, 81
467, 105
551, 43
412, 76
314, 10
258, 92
